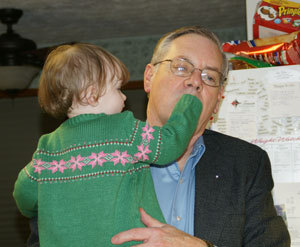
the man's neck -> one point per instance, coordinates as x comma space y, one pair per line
184, 157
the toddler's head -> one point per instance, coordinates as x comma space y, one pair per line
70, 70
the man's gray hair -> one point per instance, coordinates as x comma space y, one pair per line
163, 45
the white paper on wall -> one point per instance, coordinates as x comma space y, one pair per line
287, 199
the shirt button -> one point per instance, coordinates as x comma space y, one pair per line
178, 218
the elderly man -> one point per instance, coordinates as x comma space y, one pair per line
218, 193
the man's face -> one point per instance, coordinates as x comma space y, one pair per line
165, 88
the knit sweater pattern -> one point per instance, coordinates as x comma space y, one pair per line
88, 178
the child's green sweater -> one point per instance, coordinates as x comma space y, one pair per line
88, 178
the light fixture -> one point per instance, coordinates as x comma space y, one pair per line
17, 66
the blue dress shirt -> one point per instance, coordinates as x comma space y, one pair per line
175, 190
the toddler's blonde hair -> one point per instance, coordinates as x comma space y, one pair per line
70, 70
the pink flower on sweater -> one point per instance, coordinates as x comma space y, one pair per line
120, 157
147, 132
57, 166
77, 162
38, 165
97, 159
143, 152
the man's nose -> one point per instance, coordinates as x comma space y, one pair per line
194, 81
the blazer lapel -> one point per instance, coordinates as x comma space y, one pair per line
211, 195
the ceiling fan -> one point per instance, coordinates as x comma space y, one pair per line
18, 54
14, 49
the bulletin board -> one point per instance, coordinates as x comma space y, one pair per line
262, 106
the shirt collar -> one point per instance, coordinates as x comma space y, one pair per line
198, 150
198, 146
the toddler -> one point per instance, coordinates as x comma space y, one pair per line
87, 179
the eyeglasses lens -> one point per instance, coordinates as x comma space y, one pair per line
183, 68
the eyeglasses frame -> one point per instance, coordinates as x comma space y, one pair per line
201, 70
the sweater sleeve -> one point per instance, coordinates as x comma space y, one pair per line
25, 193
162, 145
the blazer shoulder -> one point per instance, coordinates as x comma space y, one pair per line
228, 142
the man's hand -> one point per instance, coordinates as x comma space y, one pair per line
157, 234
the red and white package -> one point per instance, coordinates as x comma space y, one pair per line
276, 17
285, 52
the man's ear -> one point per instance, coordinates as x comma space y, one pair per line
220, 97
148, 73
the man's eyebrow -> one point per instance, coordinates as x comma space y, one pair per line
206, 67
185, 58
213, 68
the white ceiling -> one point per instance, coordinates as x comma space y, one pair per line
50, 22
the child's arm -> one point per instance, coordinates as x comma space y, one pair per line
163, 145
25, 194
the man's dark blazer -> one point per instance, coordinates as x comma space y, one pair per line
233, 204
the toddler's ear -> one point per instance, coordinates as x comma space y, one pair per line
90, 96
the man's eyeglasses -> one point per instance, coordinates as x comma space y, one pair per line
183, 68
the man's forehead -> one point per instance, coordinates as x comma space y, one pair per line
192, 43
197, 49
